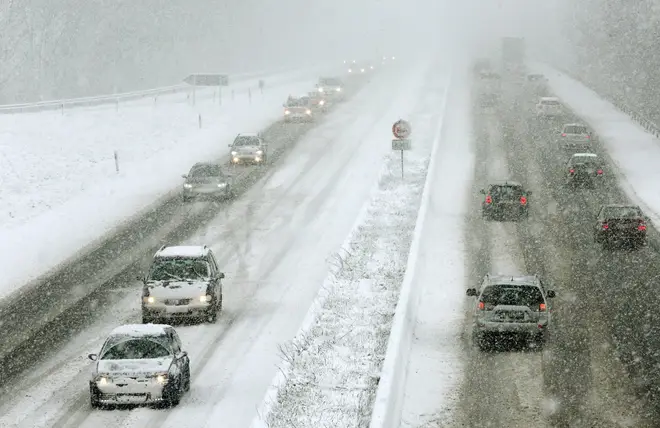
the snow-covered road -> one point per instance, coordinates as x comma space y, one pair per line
273, 243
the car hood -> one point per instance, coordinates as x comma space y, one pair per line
245, 149
177, 289
133, 367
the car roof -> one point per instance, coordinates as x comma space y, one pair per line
248, 134
585, 155
138, 330
514, 280
575, 124
549, 99
183, 251
198, 164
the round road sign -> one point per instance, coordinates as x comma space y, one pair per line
401, 129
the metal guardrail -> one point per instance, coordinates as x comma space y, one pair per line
127, 96
645, 123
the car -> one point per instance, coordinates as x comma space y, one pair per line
207, 180
584, 169
620, 224
489, 75
298, 109
332, 88
319, 101
140, 364
248, 148
517, 306
536, 78
575, 137
360, 68
183, 282
549, 107
505, 200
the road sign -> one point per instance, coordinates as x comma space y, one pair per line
207, 80
401, 144
401, 129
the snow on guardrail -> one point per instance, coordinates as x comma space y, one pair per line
135, 95
388, 403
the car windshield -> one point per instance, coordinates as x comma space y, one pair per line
246, 141
330, 82
298, 102
178, 269
505, 192
550, 102
512, 294
622, 212
135, 349
533, 77
206, 171
576, 129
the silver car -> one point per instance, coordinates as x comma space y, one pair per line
510, 306
207, 180
184, 282
248, 149
331, 87
298, 109
140, 364
575, 138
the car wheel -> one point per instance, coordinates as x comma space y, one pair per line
148, 319
94, 397
186, 199
212, 314
172, 393
186, 378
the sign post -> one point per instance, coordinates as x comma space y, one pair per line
401, 130
218, 80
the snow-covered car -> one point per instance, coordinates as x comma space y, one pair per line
548, 107
319, 101
298, 109
140, 364
248, 148
184, 282
207, 180
331, 87
575, 138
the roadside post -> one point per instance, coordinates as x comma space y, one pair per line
401, 130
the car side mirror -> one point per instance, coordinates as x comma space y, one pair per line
184, 175
221, 275
482, 191
551, 294
93, 357
471, 292
184, 353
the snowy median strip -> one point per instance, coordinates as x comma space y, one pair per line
331, 369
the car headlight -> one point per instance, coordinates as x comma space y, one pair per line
350, 70
287, 112
222, 184
187, 186
321, 102
338, 89
205, 299
362, 70
102, 379
308, 111
260, 152
148, 299
321, 89
233, 153
162, 378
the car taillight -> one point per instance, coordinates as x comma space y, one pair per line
642, 226
599, 172
523, 200
605, 226
587, 137
563, 135
489, 200
482, 306
572, 171
542, 307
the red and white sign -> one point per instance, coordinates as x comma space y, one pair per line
401, 129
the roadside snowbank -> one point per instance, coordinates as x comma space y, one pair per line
332, 367
633, 150
59, 188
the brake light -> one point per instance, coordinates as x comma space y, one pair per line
605, 226
572, 171
587, 137
563, 135
482, 306
489, 200
542, 307
523, 200
599, 172
642, 226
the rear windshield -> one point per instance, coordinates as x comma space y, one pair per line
206, 171
622, 212
505, 192
246, 141
585, 160
330, 81
575, 129
511, 294
550, 102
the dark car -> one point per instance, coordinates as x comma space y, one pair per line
206, 180
507, 200
584, 169
620, 224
